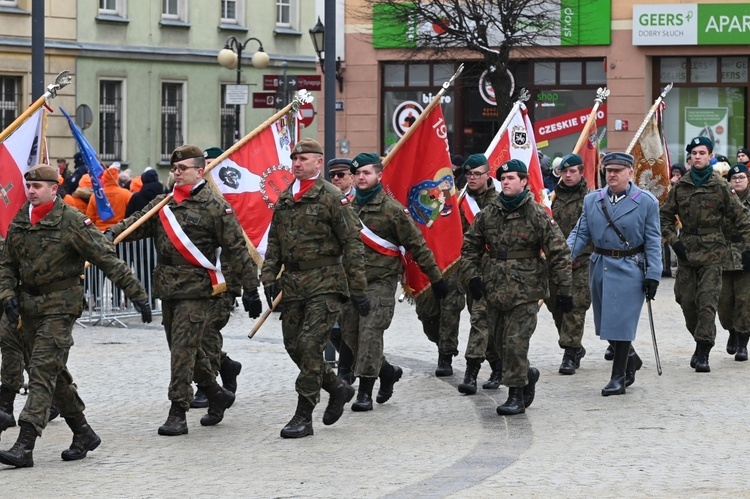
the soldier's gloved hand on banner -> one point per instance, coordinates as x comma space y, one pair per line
144, 308
440, 288
680, 251
564, 303
746, 260
650, 286
251, 302
110, 237
362, 303
11, 310
476, 288
271, 291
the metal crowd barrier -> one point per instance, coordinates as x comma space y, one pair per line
106, 304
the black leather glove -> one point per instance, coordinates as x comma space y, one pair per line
564, 303
650, 286
271, 291
110, 237
251, 302
440, 288
679, 250
144, 307
746, 260
11, 310
362, 303
476, 288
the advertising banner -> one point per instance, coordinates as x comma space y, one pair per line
692, 24
709, 122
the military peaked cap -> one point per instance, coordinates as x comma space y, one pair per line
340, 164
617, 160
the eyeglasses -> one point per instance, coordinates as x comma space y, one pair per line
476, 174
339, 174
739, 178
182, 168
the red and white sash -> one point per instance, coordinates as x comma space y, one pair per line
190, 252
469, 208
382, 246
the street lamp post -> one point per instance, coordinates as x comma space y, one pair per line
231, 57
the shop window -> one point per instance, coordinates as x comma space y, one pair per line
595, 74
442, 73
703, 69
571, 73
544, 73
419, 75
734, 69
394, 75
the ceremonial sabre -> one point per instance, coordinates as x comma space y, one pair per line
653, 336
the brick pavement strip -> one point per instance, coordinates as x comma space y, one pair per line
681, 434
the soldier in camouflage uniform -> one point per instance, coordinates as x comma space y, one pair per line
47, 245
480, 192
185, 282
314, 234
703, 202
15, 357
566, 210
386, 227
514, 229
734, 300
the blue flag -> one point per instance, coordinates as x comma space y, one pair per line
103, 207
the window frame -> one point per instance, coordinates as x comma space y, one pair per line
181, 130
117, 155
239, 13
180, 16
120, 10
13, 4
18, 94
293, 6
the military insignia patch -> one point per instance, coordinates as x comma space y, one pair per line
344, 201
505, 168
355, 164
178, 154
696, 141
87, 222
552, 221
229, 211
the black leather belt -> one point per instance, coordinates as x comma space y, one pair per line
619, 253
514, 255
173, 260
51, 288
313, 264
700, 231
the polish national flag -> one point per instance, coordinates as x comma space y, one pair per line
18, 153
252, 178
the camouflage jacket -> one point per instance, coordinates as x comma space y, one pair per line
702, 211
736, 244
388, 219
320, 227
566, 210
514, 281
482, 200
210, 223
54, 250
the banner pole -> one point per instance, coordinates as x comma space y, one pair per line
650, 113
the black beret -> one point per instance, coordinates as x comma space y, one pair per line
744, 151
569, 161
514, 165
364, 159
213, 152
475, 161
736, 169
700, 141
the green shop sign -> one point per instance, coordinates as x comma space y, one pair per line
575, 22
692, 24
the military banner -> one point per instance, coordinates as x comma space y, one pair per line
252, 178
652, 166
590, 156
18, 153
420, 177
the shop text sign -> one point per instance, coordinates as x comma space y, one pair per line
692, 24
567, 124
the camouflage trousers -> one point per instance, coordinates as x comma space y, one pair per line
364, 335
513, 329
570, 326
697, 290
306, 325
734, 301
184, 322
49, 379
440, 318
481, 344
16, 354
219, 311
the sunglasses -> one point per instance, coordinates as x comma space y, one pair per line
339, 174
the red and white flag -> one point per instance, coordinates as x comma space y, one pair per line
18, 153
419, 176
518, 142
651, 159
470, 208
252, 178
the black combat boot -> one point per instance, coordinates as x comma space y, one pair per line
200, 401
634, 364
514, 404
609, 353
529, 391
732, 342
497, 372
444, 366
219, 400
364, 395
346, 362
389, 375
571, 360
229, 370
469, 386
7, 396
340, 393
20, 455
616, 385
694, 358
84, 438
701, 361
176, 423
741, 355
301, 423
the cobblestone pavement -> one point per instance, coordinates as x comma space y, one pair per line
680, 434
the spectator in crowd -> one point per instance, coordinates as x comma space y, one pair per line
123, 179
79, 198
743, 155
459, 175
117, 196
